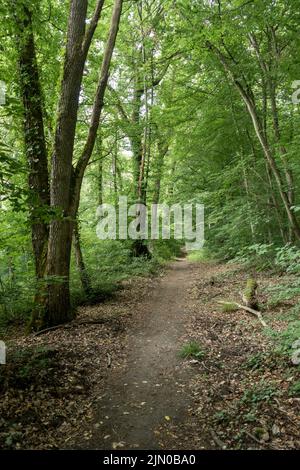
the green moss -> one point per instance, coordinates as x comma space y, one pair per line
229, 307
251, 286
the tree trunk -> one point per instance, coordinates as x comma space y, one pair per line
162, 148
248, 98
35, 145
272, 163
139, 247
273, 199
269, 77
115, 168
36, 153
136, 137
100, 182
83, 273
65, 181
58, 309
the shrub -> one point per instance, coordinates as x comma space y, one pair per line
295, 389
262, 391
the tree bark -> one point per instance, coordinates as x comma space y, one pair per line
83, 273
65, 180
115, 168
136, 135
162, 148
58, 309
273, 199
35, 150
34, 138
100, 182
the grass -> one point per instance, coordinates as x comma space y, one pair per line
223, 416
191, 350
199, 255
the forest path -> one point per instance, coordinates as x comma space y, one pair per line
144, 407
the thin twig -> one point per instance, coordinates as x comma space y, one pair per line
217, 440
248, 309
108, 360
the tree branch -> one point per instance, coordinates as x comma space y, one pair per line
92, 27
119, 104
98, 102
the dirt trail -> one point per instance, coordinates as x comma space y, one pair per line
152, 392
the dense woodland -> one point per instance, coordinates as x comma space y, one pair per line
161, 101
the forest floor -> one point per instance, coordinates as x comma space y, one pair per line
122, 384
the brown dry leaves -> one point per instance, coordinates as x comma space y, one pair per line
45, 403
237, 406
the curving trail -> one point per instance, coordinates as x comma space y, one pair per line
145, 407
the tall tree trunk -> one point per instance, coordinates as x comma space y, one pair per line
136, 136
35, 145
35, 149
58, 308
162, 148
100, 182
272, 194
273, 166
83, 273
273, 199
171, 185
115, 168
248, 98
283, 152
139, 247
269, 77
248, 199
65, 180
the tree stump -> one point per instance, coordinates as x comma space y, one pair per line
250, 294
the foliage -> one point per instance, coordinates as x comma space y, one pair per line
200, 255
282, 292
288, 258
269, 256
295, 389
25, 367
260, 392
264, 360
170, 95
192, 350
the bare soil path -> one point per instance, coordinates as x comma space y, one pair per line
152, 392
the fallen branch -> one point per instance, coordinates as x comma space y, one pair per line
255, 438
51, 328
108, 360
248, 309
262, 443
98, 321
217, 440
